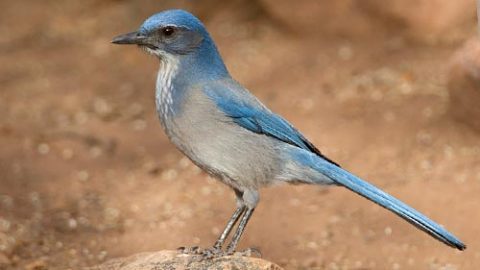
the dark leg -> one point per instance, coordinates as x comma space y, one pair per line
241, 227
216, 250
233, 220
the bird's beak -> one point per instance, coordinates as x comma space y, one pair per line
130, 38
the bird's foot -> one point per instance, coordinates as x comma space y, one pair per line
213, 252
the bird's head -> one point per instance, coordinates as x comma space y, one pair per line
171, 32
178, 36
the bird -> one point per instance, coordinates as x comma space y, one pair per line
231, 135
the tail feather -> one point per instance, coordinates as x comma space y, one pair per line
374, 194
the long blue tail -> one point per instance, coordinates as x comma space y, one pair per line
371, 192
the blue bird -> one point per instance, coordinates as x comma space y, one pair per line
231, 135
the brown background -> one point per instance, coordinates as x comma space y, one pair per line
86, 173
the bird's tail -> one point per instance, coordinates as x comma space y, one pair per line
371, 192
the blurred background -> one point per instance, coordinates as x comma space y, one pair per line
388, 89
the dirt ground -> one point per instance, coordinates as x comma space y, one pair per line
86, 173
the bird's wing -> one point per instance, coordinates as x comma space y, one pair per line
249, 113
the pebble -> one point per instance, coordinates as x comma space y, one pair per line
83, 175
169, 175
7, 201
184, 163
139, 124
95, 151
72, 223
101, 107
345, 52
102, 255
312, 245
67, 153
43, 148
4, 225
112, 215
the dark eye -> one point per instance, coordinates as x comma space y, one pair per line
168, 31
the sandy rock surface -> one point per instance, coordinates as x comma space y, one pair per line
171, 259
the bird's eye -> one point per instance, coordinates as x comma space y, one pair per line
168, 31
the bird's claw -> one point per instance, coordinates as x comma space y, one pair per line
213, 252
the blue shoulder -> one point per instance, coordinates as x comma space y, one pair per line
248, 112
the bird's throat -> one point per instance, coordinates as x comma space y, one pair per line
164, 86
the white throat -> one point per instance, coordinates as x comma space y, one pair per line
166, 74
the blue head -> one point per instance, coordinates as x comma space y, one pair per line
178, 35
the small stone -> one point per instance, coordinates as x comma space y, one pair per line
67, 154
345, 52
184, 162
312, 245
7, 201
4, 225
96, 151
43, 148
102, 255
139, 124
101, 107
72, 223
215, 231
169, 175
83, 175
334, 219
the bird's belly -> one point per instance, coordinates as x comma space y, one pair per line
233, 154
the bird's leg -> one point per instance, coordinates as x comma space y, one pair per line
241, 227
216, 250
228, 228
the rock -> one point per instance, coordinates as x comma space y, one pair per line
464, 84
170, 260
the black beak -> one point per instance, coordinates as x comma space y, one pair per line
130, 38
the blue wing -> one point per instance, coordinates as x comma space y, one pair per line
246, 111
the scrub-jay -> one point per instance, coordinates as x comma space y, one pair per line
231, 135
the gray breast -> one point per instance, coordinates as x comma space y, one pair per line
219, 146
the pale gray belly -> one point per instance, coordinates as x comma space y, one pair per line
239, 157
